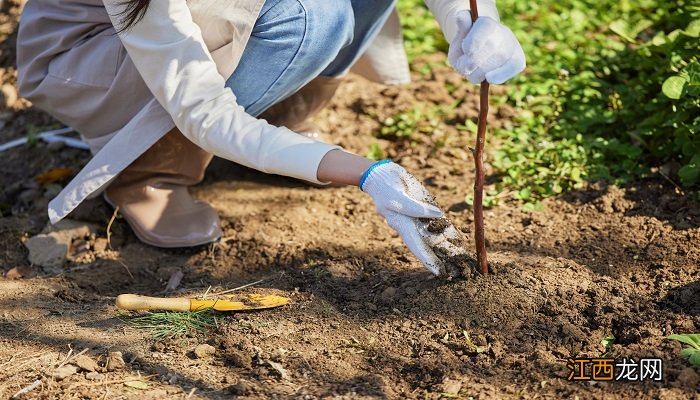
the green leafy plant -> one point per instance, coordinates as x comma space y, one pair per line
375, 152
472, 346
692, 353
608, 343
611, 91
489, 199
421, 118
421, 32
407, 123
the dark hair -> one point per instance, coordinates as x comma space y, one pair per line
133, 13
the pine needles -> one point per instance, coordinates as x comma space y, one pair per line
171, 324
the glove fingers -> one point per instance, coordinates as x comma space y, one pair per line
481, 36
406, 227
464, 20
476, 76
454, 54
469, 70
464, 23
489, 52
509, 69
416, 202
415, 208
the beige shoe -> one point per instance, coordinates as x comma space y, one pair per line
296, 111
152, 195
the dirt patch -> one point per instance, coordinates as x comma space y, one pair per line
365, 319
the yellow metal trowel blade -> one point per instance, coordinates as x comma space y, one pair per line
240, 303
247, 302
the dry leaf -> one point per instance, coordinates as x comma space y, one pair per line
137, 383
54, 175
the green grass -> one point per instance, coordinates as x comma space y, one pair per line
612, 91
163, 325
421, 32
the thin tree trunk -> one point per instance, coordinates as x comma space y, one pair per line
478, 154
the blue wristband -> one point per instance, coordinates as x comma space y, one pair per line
369, 170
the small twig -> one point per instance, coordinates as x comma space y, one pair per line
109, 227
71, 358
126, 267
191, 393
10, 360
27, 389
132, 379
670, 180
238, 288
70, 352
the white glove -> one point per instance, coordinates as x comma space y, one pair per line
402, 201
486, 50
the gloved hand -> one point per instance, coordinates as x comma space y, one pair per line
403, 201
486, 50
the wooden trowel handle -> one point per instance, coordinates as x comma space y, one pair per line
135, 302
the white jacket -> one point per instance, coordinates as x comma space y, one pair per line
172, 74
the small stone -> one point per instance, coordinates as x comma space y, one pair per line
94, 376
451, 387
50, 249
115, 361
9, 95
20, 272
204, 351
45, 251
85, 363
64, 372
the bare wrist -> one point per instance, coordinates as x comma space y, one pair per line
339, 166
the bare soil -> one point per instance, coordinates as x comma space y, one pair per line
366, 320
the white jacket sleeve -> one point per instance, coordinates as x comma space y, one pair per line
168, 50
445, 12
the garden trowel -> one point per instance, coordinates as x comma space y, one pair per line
246, 302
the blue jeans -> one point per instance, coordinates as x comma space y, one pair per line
294, 41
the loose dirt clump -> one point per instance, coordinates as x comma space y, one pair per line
365, 318
438, 225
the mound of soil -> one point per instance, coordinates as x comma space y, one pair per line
366, 320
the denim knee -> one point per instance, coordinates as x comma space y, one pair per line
330, 27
